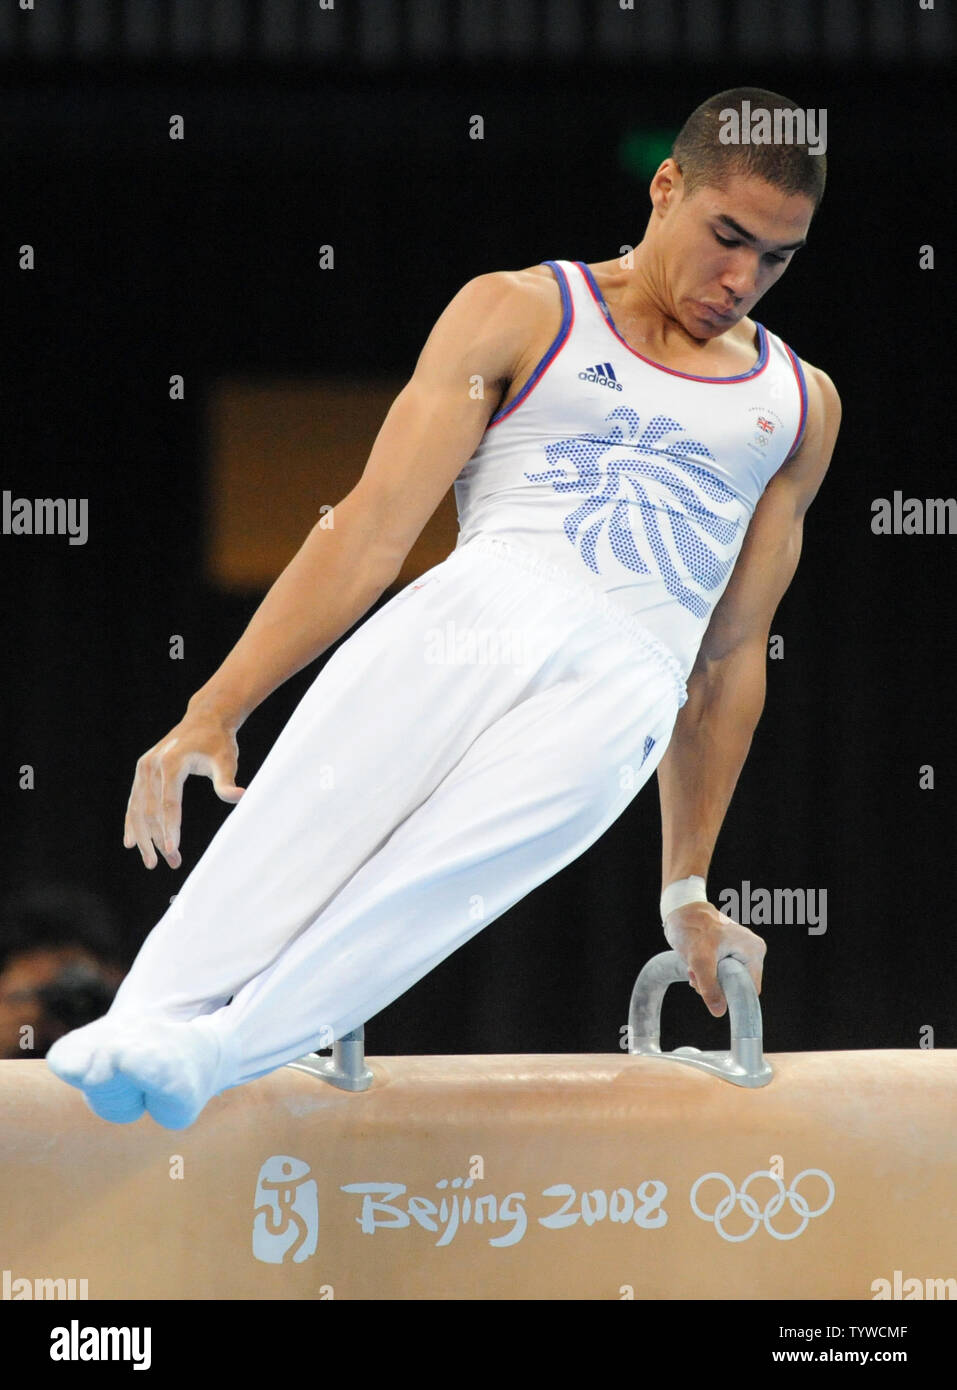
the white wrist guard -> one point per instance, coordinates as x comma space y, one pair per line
682, 892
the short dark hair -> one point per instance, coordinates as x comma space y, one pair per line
705, 160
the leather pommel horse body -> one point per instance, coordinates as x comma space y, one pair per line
651, 1175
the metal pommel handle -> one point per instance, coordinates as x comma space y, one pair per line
744, 1064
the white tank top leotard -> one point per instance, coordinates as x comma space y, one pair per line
631, 477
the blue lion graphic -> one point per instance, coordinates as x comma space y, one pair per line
689, 525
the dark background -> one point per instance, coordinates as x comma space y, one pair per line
200, 257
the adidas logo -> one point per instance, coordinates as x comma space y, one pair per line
603, 374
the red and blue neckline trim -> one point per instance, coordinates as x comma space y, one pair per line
754, 371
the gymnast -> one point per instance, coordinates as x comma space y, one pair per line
632, 457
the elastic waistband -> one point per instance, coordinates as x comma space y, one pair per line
497, 548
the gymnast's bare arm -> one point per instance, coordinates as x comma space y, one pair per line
431, 430
726, 692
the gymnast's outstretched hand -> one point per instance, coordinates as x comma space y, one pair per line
702, 936
202, 742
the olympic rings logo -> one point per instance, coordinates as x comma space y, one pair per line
773, 1205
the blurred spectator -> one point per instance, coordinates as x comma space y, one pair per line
61, 959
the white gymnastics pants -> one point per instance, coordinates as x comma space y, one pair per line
472, 737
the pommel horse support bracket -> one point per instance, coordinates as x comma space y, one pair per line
742, 1065
346, 1068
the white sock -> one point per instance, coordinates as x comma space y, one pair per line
84, 1052
174, 1066
117, 1099
86, 1058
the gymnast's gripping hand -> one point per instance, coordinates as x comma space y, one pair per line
702, 936
202, 743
